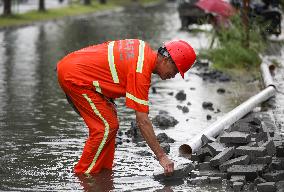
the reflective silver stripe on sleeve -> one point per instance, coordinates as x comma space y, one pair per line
140, 61
111, 62
140, 101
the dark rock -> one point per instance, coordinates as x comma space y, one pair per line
179, 107
120, 133
164, 121
171, 93
251, 120
235, 137
188, 103
250, 171
185, 109
221, 90
279, 151
259, 180
244, 127
277, 164
222, 157
208, 117
166, 147
207, 105
204, 166
201, 154
181, 96
266, 187
164, 138
192, 88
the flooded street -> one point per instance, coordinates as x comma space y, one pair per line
41, 137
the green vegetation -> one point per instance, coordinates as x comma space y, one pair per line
72, 10
231, 51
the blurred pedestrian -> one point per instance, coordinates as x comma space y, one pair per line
94, 76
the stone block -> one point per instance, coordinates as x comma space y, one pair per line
274, 176
280, 186
215, 180
259, 180
235, 137
204, 166
266, 187
242, 160
202, 153
237, 178
277, 164
250, 171
180, 172
211, 173
270, 147
258, 137
250, 151
244, 127
262, 160
215, 148
238, 186
280, 151
226, 154
199, 180
207, 139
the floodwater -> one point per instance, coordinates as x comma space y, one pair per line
41, 137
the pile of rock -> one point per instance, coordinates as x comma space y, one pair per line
247, 156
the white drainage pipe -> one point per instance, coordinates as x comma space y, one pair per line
240, 111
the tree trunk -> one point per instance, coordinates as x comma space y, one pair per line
41, 6
103, 1
7, 7
87, 2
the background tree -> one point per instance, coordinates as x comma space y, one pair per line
103, 1
87, 2
41, 6
7, 7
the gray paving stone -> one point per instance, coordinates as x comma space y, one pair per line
242, 160
207, 139
277, 164
270, 147
226, 154
199, 180
237, 178
204, 166
250, 171
180, 172
266, 187
235, 137
251, 151
215, 148
238, 186
274, 176
215, 180
262, 160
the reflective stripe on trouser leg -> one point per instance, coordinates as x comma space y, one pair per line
105, 133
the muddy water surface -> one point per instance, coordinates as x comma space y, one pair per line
41, 138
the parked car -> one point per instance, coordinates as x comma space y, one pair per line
189, 13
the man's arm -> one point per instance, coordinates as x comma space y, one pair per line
147, 131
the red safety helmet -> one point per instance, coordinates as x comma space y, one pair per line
182, 54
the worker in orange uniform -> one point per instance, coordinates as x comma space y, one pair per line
93, 76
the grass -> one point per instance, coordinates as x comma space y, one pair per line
72, 10
230, 52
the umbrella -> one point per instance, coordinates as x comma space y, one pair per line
219, 7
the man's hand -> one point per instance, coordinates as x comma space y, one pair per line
167, 164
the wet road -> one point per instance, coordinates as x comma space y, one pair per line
41, 138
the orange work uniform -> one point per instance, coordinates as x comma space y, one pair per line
92, 76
